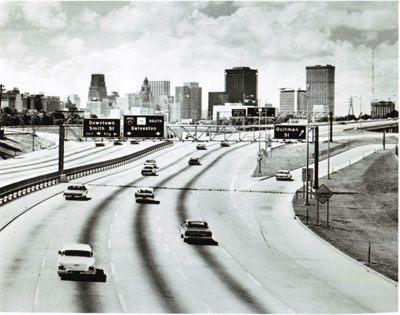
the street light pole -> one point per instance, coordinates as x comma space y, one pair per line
307, 141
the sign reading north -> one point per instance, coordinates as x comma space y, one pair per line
144, 126
290, 132
101, 128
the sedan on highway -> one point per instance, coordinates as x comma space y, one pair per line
76, 191
151, 163
76, 259
225, 144
194, 230
201, 146
194, 161
149, 170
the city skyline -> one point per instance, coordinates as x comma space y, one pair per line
55, 47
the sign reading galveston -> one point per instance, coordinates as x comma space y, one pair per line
144, 126
101, 128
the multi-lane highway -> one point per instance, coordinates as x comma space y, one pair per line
265, 260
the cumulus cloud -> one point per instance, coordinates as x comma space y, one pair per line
48, 14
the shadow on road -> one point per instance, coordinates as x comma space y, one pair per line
100, 276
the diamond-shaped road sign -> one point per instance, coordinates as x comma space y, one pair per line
323, 194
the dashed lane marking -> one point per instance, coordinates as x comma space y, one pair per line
112, 268
44, 261
254, 280
182, 274
122, 302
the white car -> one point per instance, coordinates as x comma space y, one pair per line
151, 163
144, 193
283, 175
76, 259
195, 230
76, 191
149, 170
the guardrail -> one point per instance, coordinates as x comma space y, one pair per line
15, 190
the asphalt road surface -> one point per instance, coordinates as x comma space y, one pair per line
262, 261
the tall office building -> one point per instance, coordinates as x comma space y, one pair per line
286, 101
158, 89
188, 99
97, 89
241, 83
320, 81
301, 102
215, 99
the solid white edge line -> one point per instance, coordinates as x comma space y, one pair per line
36, 300
122, 301
44, 261
252, 278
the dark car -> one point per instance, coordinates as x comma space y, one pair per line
194, 161
195, 230
201, 146
225, 144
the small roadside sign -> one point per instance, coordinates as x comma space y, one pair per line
144, 126
101, 127
323, 194
304, 172
290, 132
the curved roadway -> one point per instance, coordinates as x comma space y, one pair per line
265, 261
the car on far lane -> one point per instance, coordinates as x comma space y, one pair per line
194, 161
134, 142
149, 170
192, 230
151, 163
225, 144
76, 259
201, 146
118, 142
283, 175
76, 191
100, 143
144, 193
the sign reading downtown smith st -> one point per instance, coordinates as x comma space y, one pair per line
144, 126
99, 127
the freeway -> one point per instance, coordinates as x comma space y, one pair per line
75, 154
265, 261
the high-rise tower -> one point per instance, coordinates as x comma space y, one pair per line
97, 89
320, 81
241, 83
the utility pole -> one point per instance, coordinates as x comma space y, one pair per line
307, 136
316, 157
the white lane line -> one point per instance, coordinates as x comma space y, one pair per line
159, 230
112, 268
226, 253
116, 213
109, 243
36, 300
250, 226
52, 239
182, 274
240, 215
158, 217
111, 226
166, 248
122, 301
233, 183
44, 261
208, 309
252, 278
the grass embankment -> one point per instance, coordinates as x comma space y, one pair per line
366, 213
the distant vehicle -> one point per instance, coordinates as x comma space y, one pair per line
118, 142
225, 144
76, 259
134, 142
76, 191
99, 143
195, 230
149, 170
144, 193
283, 175
151, 163
201, 146
194, 161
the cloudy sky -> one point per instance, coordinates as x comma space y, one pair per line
55, 46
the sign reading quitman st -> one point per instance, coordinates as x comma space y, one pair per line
290, 132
